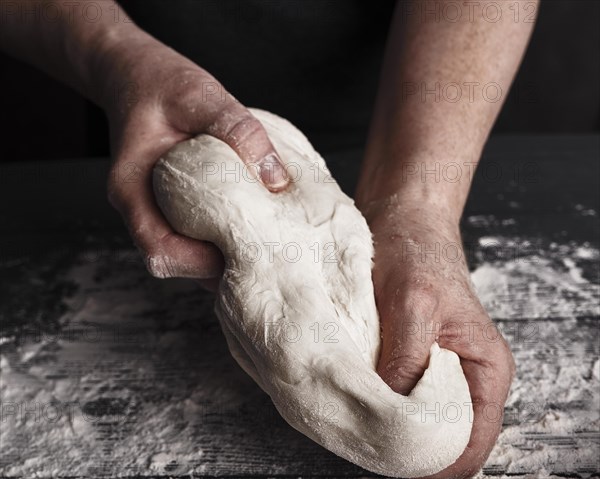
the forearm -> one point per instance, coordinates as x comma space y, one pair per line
442, 86
67, 39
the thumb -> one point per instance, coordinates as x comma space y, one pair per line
408, 331
245, 134
201, 110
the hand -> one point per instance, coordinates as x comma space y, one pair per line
424, 294
155, 98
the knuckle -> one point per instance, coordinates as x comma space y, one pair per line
238, 128
401, 375
406, 366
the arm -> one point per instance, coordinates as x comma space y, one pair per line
154, 98
442, 86
58, 39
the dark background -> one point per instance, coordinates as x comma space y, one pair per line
556, 91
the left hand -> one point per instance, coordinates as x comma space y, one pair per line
424, 294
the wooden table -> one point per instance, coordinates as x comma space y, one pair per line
107, 372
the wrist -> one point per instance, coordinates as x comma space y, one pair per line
413, 186
400, 213
420, 168
74, 47
114, 50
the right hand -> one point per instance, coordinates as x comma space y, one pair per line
155, 98
424, 294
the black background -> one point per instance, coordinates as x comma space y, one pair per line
556, 90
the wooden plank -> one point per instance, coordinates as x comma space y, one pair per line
106, 371
141, 372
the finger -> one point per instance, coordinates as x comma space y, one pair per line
244, 133
487, 423
206, 107
166, 253
489, 368
407, 336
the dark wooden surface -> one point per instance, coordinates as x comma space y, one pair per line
107, 372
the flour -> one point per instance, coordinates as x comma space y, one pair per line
549, 312
157, 347
147, 386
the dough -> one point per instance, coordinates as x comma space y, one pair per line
296, 305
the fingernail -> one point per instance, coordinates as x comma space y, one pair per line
160, 266
272, 172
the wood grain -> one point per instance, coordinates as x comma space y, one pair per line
107, 372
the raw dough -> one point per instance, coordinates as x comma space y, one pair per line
296, 305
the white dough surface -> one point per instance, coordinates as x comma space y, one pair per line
297, 307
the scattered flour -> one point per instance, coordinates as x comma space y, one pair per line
139, 380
